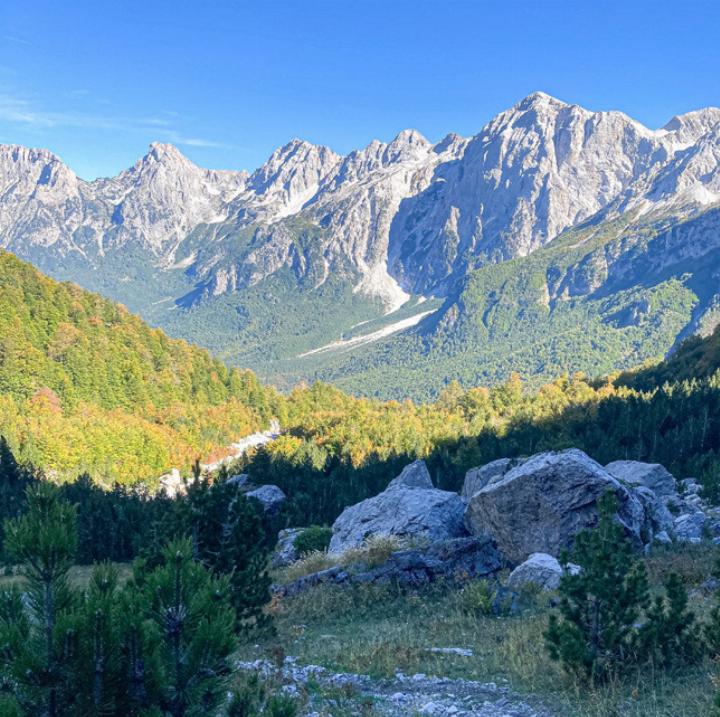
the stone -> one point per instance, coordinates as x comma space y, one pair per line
285, 551
652, 475
539, 506
415, 475
270, 496
690, 527
240, 480
658, 517
456, 559
539, 569
402, 511
477, 478
690, 486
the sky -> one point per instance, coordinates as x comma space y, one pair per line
228, 82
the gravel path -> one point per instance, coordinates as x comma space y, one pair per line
403, 696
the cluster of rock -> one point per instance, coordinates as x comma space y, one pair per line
316, 687
467, 557
519, 512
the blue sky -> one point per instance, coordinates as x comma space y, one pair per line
96, 81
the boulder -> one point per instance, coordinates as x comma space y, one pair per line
460, 558
270, 496
415, 475
539, 506
240, 480
652, 475
539, 569
690, 486
402, 511
477, 478
658, 517
285, 551
690, 527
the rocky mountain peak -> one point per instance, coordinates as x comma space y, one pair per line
537, 100
292, 175
689, 127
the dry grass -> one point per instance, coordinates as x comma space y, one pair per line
79, 575
379, 630
375, 551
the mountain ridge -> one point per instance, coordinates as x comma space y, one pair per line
214, 255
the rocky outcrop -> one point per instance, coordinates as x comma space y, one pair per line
541, 505
540, 570
460, 559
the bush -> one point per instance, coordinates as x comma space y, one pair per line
313, 539
476, 598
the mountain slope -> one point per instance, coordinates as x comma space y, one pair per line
304, 268
84, 385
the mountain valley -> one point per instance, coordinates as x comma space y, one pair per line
557, 239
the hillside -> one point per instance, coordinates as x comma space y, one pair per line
87, 386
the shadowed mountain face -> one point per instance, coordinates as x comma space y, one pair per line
554, 224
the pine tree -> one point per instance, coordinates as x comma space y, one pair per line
600, 603
228, 537
13, 482
671, 634
97, 674
194, 623
43, 542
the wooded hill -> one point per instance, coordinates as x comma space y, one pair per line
87, 387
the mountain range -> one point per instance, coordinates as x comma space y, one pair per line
556, 239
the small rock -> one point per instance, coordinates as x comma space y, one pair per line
240, 480
270, 496
461, 651
285, 551
539, 569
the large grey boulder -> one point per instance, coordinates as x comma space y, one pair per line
285, 551
456, 559
541, 505
477, 478
539, 569
270, 496
651, 475
402, 511
415, 475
